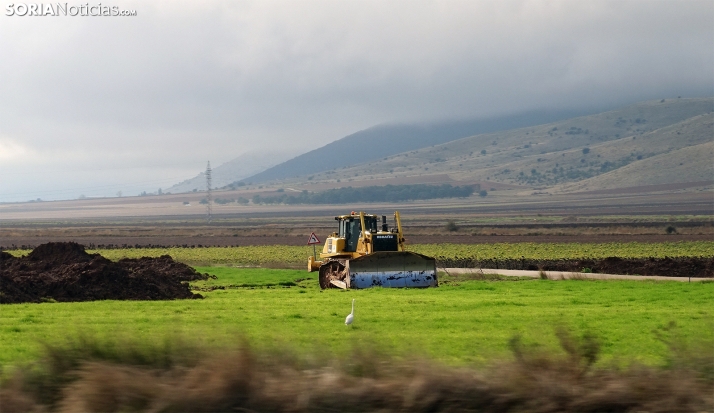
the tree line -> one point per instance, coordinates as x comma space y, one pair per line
387, 193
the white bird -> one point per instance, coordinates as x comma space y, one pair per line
350, 318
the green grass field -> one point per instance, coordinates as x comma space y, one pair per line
462, 321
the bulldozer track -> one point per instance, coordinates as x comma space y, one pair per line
332, 270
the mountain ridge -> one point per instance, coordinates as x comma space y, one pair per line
389, 139
560, 154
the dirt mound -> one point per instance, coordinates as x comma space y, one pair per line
64, 271
161, 265
667, 267
59, 253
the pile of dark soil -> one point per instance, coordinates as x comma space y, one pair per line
666, 267
64, 271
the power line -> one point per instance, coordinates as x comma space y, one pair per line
209, 197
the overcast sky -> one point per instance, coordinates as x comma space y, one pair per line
96, 105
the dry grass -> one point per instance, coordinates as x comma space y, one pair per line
94, 376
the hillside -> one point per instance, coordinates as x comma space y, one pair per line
690, 164
384, 140
635, 145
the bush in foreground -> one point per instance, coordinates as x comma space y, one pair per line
93, 376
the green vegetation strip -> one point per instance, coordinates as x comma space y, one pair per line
297, 255
461, 322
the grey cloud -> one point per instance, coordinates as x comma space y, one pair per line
191, 81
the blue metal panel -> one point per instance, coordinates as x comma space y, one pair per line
393, 279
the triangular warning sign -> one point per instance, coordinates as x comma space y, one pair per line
313, 239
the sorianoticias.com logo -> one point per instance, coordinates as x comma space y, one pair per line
64, 9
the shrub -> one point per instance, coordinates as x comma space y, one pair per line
451, 226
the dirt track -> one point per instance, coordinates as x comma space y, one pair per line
65, 272
562, 275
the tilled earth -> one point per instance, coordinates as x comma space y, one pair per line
667, 267
64, 271
27, 242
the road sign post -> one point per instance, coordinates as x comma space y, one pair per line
313, 240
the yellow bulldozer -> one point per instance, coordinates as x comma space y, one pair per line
365, 253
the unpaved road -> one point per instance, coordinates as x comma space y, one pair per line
562, 275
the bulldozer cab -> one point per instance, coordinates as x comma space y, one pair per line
351, 229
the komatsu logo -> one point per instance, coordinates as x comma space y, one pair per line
385, 236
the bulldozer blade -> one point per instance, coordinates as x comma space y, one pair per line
392, 270
338, 284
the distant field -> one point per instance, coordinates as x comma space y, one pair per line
459, 322
160, 210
